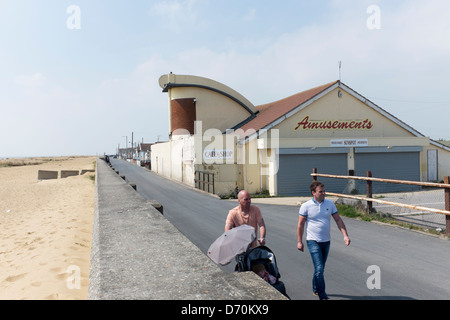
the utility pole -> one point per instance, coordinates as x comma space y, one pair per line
126, 147
132, 145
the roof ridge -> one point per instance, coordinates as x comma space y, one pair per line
265, 106
270, 112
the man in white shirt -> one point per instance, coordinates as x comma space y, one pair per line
316, 215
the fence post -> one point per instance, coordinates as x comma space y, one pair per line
369, 192
314, 171
208, 181
203, 181
197, 182
351, 185
447, 206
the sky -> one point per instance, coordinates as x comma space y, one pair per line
80, 77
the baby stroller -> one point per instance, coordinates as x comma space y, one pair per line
261, 255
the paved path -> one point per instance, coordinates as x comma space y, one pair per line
138, 254
411, 265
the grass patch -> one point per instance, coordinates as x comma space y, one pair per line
263, 194
91, 176
19, 162
233, 195
33, 161
349, 211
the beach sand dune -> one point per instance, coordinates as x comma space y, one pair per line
46, 230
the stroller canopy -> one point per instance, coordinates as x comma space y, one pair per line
259, 255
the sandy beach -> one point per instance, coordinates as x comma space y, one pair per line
46, 229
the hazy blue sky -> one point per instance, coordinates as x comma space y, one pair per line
78, 82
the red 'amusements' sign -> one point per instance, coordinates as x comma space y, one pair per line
306, 124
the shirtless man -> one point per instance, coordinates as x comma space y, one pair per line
246, 213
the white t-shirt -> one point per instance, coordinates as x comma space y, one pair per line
318, 217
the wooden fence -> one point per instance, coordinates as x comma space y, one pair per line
370, 199
204, 181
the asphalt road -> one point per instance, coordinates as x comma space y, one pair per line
382, 262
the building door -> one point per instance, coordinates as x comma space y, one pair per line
432, 165
294, 172
388, 165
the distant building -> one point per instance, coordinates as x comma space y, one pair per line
275, 146
144, 153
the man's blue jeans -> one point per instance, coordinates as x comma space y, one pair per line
319, 254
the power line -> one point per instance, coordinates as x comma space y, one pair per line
409, 101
